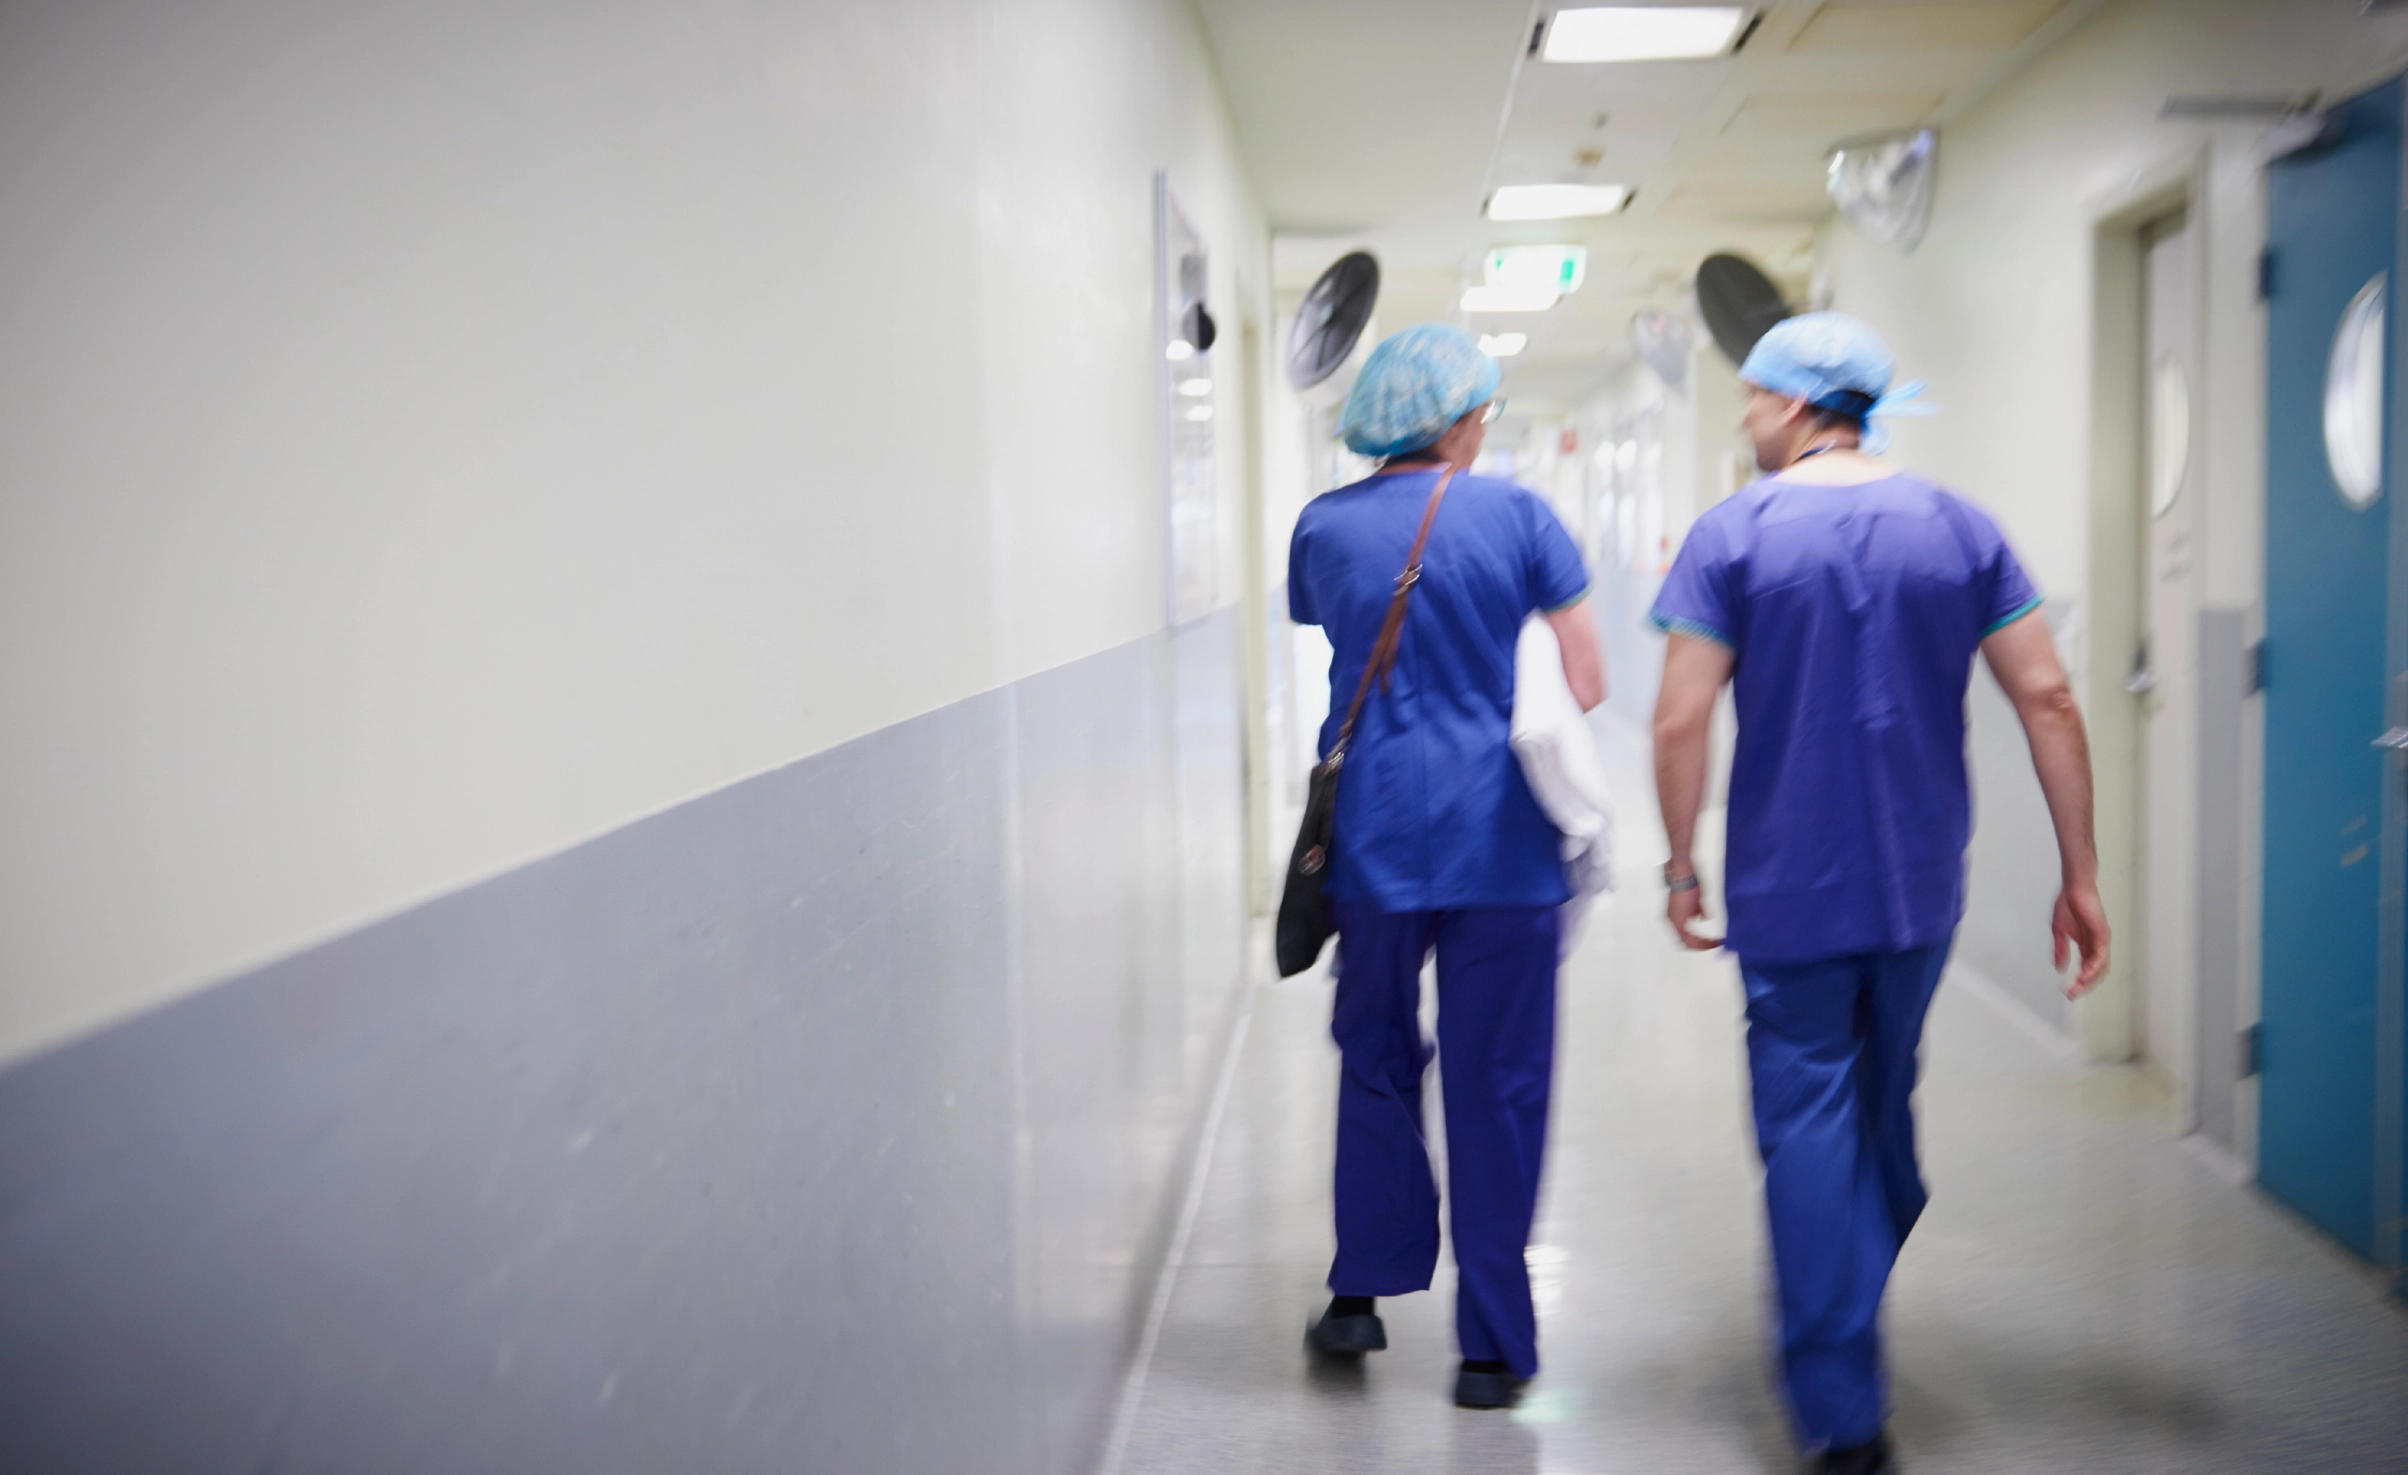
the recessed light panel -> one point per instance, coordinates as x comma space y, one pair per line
1509, 299
1644, 33
1556, 201
1503, 345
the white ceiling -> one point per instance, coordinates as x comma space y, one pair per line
1384, 123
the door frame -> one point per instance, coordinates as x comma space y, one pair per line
2104, 1022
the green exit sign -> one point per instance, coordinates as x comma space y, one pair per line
1555, 268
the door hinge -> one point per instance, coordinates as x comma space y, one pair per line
2265, 275
2248, 1053
2253, 668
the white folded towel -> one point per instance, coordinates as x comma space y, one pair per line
1559, 758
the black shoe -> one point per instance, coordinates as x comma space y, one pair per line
1484, 1388
1859, 1459
1346, 1336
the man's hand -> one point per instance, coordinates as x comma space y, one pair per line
1694, 672
2023, 656
2080, 924
1684, 907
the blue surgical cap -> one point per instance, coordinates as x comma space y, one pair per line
1415, 385
1833, 362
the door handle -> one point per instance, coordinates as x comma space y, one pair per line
2143, 679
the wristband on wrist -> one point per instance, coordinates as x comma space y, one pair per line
1678, 883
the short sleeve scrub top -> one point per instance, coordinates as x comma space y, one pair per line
1852, 614
1433, 812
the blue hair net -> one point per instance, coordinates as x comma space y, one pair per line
1415, 385
1833, 362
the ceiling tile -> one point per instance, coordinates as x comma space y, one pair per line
1788, 123
1872, 27
1746, 200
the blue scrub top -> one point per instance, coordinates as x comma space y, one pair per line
1853, 614
1433, 812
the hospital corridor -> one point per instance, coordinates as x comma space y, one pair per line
1128, 737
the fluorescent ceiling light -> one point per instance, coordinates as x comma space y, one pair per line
1180, 349
1195, 388
1509, 299
1199, 412
1503, 345
1644, 33
1559, 268
1556, 201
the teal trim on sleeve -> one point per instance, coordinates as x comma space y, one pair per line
1696, 629
2001, 624
1557, 609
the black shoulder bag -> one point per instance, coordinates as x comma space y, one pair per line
1304, 916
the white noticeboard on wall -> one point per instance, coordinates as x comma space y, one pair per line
1190, 409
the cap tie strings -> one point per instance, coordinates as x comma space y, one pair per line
1877, 437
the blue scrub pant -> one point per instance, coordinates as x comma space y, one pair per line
1496, 1030
1831, 1059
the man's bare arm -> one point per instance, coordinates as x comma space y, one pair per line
1584, 663
2024, 659
1694, 671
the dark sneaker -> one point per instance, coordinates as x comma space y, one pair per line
1346, 1336
1475, 1388
1859, 1459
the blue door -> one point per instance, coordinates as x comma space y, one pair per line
2333, 239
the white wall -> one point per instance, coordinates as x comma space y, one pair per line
431, 435
1680, 443
1996, 309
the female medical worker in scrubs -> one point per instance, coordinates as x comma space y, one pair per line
1440, 847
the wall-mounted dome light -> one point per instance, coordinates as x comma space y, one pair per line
1665, 343
1883, 185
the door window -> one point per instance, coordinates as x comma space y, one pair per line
2170, 421
2353, 398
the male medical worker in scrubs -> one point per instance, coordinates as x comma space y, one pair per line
1844, 600
1439, 847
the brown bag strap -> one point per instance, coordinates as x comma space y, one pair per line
1383, 652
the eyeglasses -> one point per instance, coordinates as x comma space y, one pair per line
1490, 411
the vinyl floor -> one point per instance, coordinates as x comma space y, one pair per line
2087, 1292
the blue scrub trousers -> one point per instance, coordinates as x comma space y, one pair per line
1831, 1061
1496, 1032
